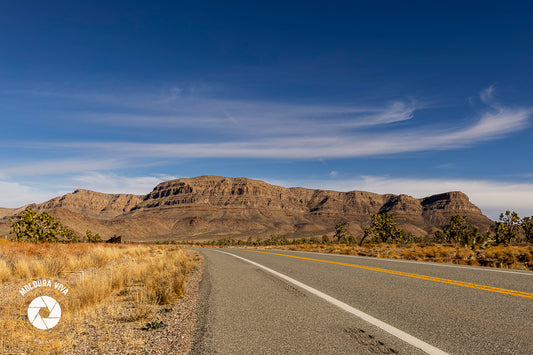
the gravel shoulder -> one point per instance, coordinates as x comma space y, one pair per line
108, 333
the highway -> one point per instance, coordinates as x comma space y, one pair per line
279, 302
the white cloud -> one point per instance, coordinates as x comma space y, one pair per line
491, 125
396, 112
110, 183
492, 197
487, 95
14, 195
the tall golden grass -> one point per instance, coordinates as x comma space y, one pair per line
130, 280
20, 260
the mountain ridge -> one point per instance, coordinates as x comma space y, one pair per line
212, 207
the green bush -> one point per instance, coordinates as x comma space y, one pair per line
29, 226
93, 237
155, 324
383, 229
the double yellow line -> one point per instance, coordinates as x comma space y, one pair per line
416, 276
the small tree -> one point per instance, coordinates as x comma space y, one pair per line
384, 229
367, 233
351, 240
69, 236
93, 237
441, 237
341, 232
507, 228
478, 239
460, 232
32, 227
325, 239
527, 227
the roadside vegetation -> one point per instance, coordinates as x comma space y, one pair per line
501, 256
123, 291
508, 244
518, 257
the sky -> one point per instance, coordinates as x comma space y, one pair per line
416, 97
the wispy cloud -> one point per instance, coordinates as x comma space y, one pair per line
489, 126
487, 95
288, 131
174, 94
60, 166
247, 118
191, 107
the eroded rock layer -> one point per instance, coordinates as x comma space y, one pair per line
212, 207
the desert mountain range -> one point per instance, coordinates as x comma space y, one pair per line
213, 207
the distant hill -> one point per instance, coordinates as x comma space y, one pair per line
212, 207
7, 212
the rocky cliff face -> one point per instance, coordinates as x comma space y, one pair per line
210, 207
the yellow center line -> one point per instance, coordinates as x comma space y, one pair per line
416, 276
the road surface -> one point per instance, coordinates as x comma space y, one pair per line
281, 302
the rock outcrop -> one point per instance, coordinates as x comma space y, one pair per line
92, 204
212, 207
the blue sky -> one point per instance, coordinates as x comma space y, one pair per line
384, 96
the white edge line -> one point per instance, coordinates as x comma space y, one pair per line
430, 349
430, 263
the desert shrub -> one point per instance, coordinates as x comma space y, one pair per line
527, 227
507, 228
155, 324
458, 231
341, 232
383, 229
29, 226
93, 237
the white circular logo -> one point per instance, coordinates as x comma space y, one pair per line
54, 312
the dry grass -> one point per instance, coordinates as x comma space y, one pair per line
125, 282
27, 260
510, 257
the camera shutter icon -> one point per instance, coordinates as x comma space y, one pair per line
44, 302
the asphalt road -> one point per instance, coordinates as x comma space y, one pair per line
285, 303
